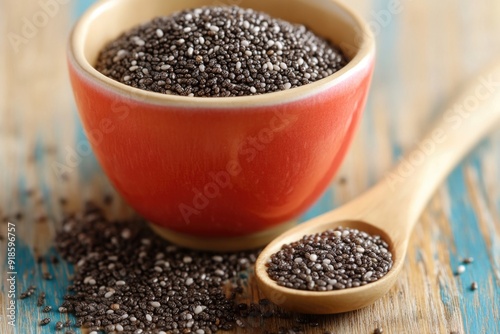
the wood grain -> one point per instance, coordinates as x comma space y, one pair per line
425, 52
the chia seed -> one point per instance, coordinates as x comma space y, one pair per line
187, 296
59, 325
41, 299
31, 290
264, 302
44, 321
108, 199
219, 52
332, 260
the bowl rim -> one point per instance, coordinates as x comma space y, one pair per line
78, 62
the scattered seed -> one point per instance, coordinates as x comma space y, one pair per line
44, 321
240, 323
26, 294
264, 302
460, 269
474, 286
378, 330
191, 279
41, 299
468, 260
59, 325
47, 309
108, 198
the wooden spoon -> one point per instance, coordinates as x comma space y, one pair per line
392, 207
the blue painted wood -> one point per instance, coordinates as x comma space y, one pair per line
81, 6
469, 241
324, 204
30, 273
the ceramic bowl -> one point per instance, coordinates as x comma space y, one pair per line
221, 173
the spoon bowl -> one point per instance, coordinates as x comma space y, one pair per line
392, 207
319, 302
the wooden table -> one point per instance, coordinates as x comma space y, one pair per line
425, 52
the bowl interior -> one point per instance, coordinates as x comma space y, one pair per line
110, 18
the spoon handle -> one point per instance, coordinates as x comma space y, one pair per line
404, 192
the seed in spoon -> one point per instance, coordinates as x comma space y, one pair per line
332, 260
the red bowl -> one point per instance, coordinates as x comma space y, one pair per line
216, 172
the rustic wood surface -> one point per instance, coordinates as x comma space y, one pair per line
426, 50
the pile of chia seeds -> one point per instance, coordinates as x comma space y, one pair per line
219, 52
129, 280
335, 259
